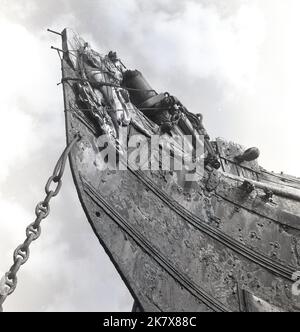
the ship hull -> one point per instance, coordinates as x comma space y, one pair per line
201, 247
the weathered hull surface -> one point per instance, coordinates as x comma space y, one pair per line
211, 246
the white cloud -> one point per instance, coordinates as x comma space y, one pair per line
206, 45
28, 94
31, 138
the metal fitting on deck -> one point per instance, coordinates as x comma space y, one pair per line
249, 155
248, 187
268, 195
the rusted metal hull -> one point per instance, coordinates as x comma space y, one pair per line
210, 246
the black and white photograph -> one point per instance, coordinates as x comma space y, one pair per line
150, 158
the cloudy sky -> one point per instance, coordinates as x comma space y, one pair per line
235, 61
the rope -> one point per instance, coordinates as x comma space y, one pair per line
101, 84
115, 109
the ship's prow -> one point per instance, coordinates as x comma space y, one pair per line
228, 240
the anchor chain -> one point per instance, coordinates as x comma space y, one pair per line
9, 281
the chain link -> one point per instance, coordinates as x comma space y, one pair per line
9, 281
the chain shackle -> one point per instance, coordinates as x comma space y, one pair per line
8, 284
9, 281
22, 251
33, 230
42, 210
53, 179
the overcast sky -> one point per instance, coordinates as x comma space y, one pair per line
235, 61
